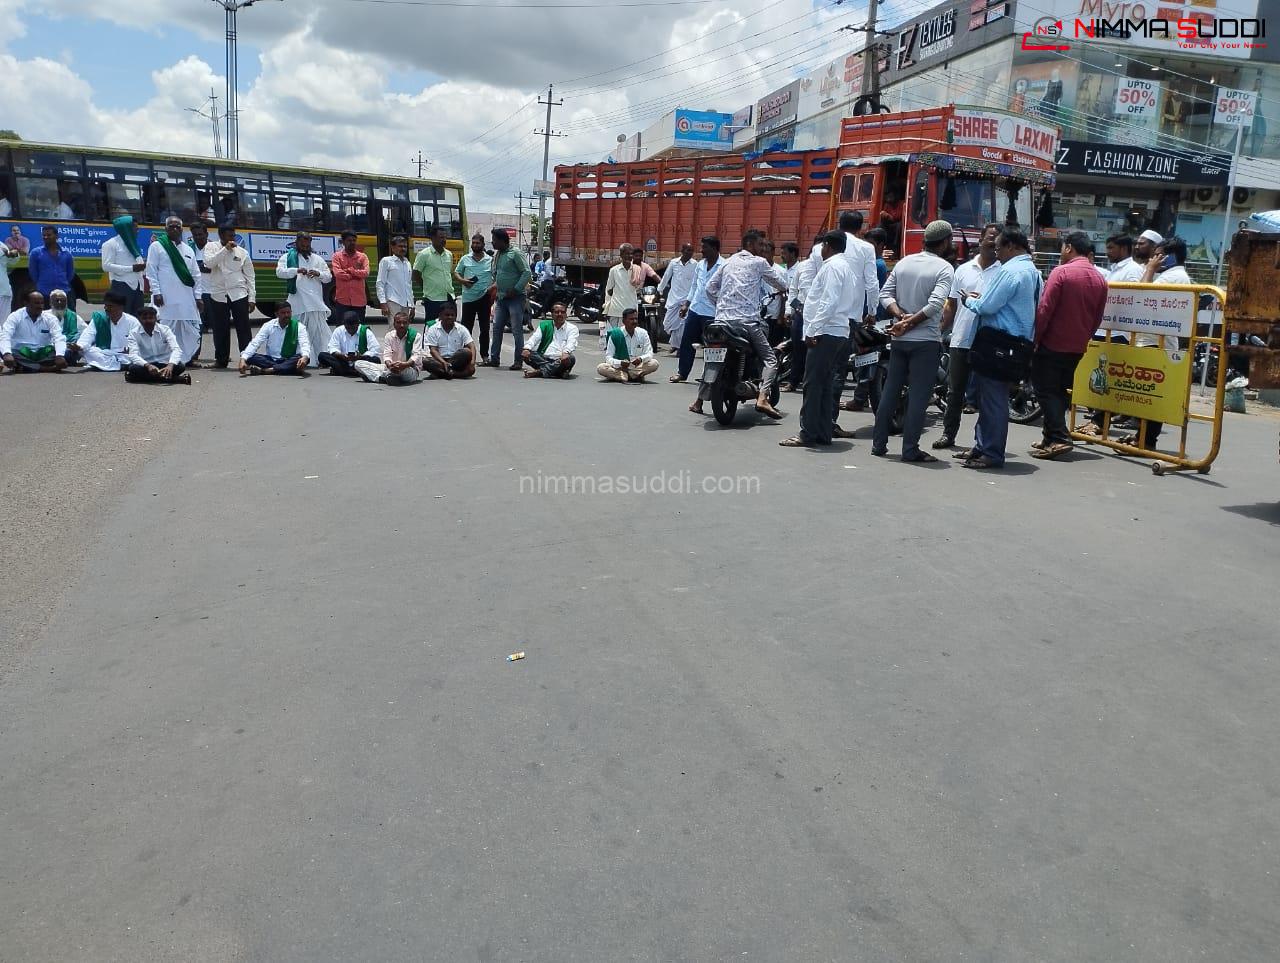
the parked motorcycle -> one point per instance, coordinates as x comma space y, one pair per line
872, 349
651, 312
551, 290
1024, 406
731, 368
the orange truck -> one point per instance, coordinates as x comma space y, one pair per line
967, 165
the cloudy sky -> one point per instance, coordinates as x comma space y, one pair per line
363, 84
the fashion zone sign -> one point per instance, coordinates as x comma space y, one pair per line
1000, 133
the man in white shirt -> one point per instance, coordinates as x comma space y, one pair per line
862, 255
306, 274
450, 349
104, 341
550, 349
177, 287
735, 291
797, 293
281, 347
123, 263
350, 342
153, 353
973, 275
31, 339
233, 291
8, 258
677, 282
620, 291
395, 280
402, 355
831, 300
630, 357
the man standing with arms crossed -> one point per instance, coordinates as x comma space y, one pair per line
395, 281
510, 278
475, 273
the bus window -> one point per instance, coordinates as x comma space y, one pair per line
117, 188
451, 195
54, 189
451, 220
348, 204
424, 219
182, 190
390, 192
427, 195
244, 197
295, 200
920, 199
6, 184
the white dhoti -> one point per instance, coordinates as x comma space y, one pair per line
6, 301
372, 371
318, 331
673, 324
607, 324
104, 359
188, 334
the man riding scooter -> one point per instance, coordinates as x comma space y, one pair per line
735, 291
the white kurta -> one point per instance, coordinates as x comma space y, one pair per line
178, 312
111, 358
677, 282
308, 300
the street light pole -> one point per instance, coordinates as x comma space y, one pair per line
232, 7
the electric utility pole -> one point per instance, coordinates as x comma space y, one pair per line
212, 114
520, 221
547, 133
421, 162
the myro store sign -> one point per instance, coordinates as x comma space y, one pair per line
1227, 28
1082, 158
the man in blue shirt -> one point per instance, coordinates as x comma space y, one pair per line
51, 268
1008, 304
697, 309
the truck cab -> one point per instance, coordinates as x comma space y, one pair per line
966, 165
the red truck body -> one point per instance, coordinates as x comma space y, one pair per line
899, 170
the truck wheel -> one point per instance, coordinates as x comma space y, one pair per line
724, 400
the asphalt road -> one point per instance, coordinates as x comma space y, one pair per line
258, 707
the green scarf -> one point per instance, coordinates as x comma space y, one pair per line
290, 345
128, 232
618, 337
363, 344
102, 324
175, 258
35, 354
70, 325
547, 331
291, 260
409, 335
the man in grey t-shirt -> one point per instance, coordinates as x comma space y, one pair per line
914, 296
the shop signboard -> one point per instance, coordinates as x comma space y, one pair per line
1125, 379
831, 85
1234, 108
778, 109
1137, 98
703, 129
1207, 168
1003, 137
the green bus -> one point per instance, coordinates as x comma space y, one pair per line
81, 190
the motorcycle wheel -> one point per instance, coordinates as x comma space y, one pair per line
724, 400
1024, 406
899, 418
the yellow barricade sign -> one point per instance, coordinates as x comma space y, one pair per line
1140, 382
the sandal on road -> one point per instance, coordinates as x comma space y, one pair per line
965, 455
795, 441
676, 380
920, 458
945, 441
980, 462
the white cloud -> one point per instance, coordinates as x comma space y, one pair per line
322, 96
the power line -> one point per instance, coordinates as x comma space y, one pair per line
534, 6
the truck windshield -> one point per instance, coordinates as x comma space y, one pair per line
966, 201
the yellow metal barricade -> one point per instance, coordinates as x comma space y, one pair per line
1147, 382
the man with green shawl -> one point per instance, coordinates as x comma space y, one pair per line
71, 324
177, 287
550, 349
281, 347
403, 351
31, 338
104, 343
628, 352
123, 263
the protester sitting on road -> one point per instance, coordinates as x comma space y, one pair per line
630, 355
451, 352
104, 341
71, 324
1071, 308
402, 355
31, 338
154, 355
551, 354
281, 347
350, 342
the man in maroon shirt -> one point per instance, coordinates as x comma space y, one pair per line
1070, 311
